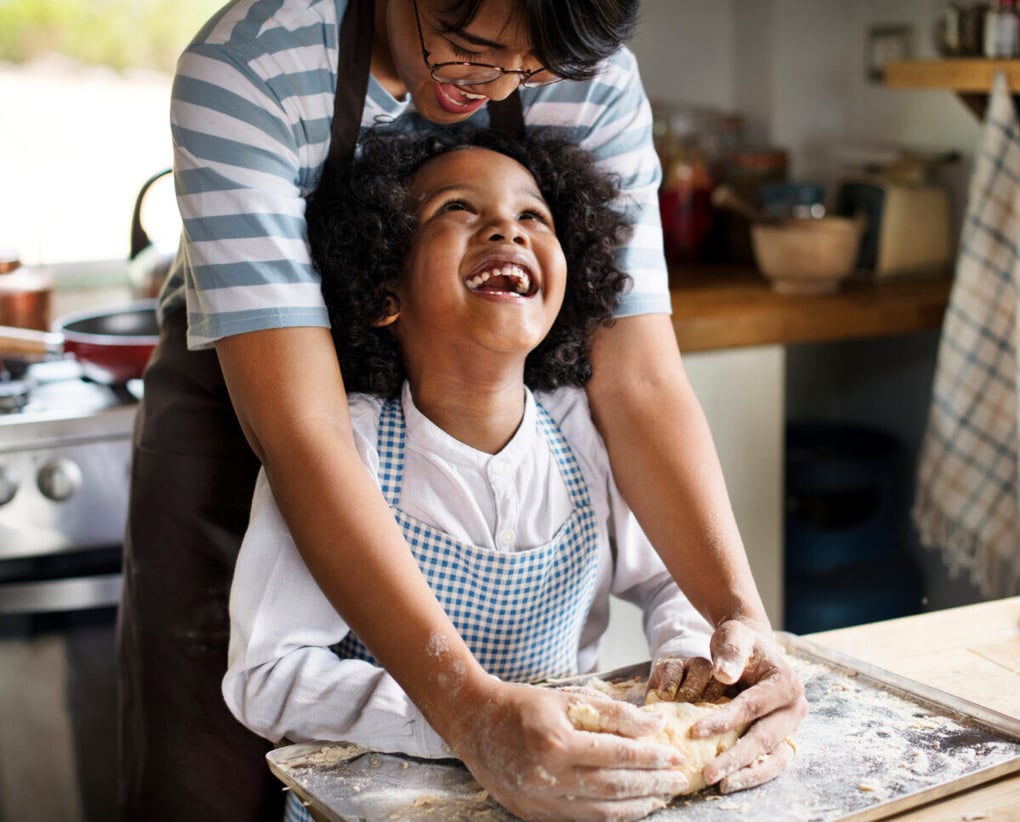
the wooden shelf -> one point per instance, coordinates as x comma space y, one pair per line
730, 307
967, 75
970, 77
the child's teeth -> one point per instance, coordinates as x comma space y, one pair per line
518, 276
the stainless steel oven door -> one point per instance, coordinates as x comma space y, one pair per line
58, 703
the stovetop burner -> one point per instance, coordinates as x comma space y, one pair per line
13, 395
60, 386
53, 401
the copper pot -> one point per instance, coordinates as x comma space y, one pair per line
25, 294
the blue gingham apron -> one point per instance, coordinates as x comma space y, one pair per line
520, 612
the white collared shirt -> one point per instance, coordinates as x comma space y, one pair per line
284, 682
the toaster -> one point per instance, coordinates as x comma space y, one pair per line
908, 226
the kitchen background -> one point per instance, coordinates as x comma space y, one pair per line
798, 73
78, 140
791, 75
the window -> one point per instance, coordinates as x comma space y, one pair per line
85, 89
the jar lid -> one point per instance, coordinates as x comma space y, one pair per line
9, 260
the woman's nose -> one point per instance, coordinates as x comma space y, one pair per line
502, 87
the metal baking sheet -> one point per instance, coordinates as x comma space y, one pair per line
874, 744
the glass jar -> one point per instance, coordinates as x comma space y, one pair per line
689, 142
1002, 30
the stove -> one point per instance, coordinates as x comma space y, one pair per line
65, 453
65, 448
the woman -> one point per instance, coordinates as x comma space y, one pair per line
252, 112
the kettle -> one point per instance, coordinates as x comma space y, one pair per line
148, 265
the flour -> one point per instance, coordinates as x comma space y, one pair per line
327, 755
437, 645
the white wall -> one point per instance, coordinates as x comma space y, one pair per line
687, 51
796, 71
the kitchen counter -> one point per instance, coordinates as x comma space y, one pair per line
722, 307
971, 652
728, 307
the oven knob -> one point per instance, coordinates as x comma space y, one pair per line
59, 479
8, 484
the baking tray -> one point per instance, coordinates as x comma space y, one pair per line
874, 744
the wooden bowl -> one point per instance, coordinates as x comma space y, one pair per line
807, 256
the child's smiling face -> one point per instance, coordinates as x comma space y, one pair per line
486, 273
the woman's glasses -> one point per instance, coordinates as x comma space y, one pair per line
465, 73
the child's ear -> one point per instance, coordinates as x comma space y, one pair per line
391, 310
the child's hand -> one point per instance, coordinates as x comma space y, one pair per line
772, 698
684, 680
520, 745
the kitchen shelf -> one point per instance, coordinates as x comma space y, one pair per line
961, 74
970, 77
717, 307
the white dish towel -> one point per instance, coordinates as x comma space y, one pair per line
966, 503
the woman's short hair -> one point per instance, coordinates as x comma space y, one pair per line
570, 37
361, 225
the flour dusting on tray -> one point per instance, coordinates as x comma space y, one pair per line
867, 743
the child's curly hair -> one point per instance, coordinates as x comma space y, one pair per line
360, 228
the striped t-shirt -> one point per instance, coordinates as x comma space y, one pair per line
251, 116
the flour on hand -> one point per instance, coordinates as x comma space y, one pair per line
679, 716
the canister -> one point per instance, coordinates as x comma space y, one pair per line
24, 294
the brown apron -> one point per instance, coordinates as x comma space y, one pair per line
183, 755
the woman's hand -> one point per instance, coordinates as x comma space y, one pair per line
520, 744
749, 666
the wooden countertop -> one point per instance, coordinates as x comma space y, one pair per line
971, 652
729, 307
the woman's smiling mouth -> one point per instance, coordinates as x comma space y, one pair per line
457, 100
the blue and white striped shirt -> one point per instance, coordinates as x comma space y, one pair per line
251, 118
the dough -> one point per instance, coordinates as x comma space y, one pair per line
676, 732
697, 752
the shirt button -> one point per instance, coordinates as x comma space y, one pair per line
498, 467
506, 538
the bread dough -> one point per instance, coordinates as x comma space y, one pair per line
697, 752
676, 732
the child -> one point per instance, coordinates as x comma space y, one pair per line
469, 271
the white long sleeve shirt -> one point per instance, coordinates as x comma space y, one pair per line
284, 682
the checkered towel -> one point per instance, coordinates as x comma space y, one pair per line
966, 502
